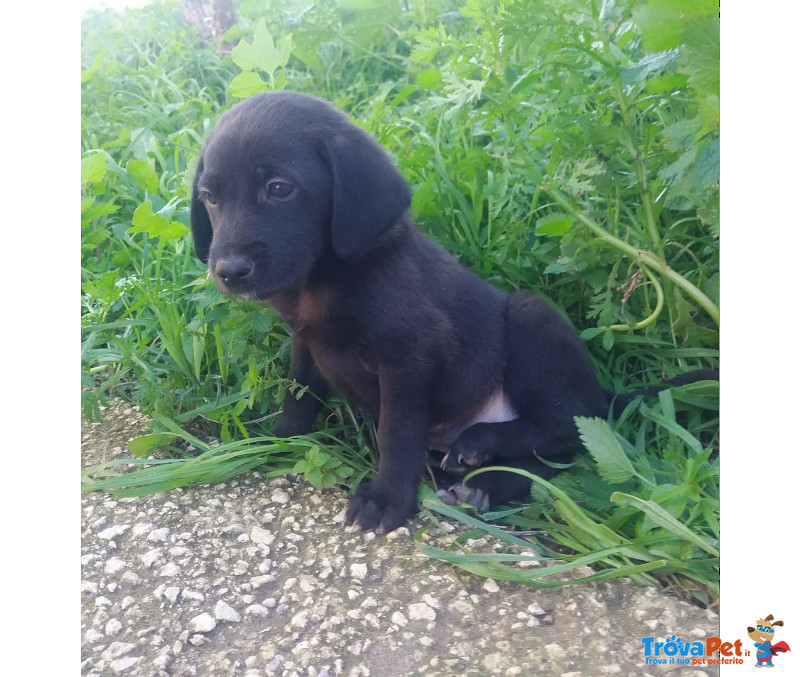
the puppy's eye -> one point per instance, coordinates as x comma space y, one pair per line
279, 189
207, 197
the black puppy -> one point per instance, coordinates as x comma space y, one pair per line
296, 206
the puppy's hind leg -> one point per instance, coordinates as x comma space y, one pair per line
483, 443
517, 444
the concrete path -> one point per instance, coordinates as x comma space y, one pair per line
257, 577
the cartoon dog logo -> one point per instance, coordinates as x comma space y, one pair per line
762, 635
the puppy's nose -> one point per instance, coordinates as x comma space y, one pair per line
234, 269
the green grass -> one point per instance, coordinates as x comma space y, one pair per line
565, 146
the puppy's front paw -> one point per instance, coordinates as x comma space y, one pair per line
374, 506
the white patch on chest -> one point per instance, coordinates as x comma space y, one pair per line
496, 409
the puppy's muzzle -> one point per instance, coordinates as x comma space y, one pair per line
234, 271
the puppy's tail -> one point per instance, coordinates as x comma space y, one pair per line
621, 400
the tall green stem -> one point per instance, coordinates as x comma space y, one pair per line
627, 121
646, 258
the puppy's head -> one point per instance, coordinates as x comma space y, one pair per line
283, 180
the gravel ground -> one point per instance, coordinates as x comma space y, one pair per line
258, 577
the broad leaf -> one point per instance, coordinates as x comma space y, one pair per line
263, 53
246, 84
599, 439
155, 225
554, 224
93, 168
143, 173
145, 444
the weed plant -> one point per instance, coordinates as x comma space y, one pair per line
570, 147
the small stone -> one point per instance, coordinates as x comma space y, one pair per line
256, 610
116, 650
113, 627
194, 595
141, 528
131, 578
114, 565
93, 636
260, 535
126, 602
149, 558
401, 532
159, 535
169, 569
462, 608
300, 620
421, 611
163, 661
89, 586
203, 623
122, 664
399, 619
258, 581
172, 593
113, 532
491, 586
179, 551
279, 496
225, 612
358, 571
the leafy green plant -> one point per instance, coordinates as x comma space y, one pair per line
322, 469
565, 146
645, 509
263, 55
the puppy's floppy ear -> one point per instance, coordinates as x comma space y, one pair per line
198, 216
369, 194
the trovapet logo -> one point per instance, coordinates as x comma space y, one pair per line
714, 651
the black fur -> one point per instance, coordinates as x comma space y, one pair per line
296, 206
